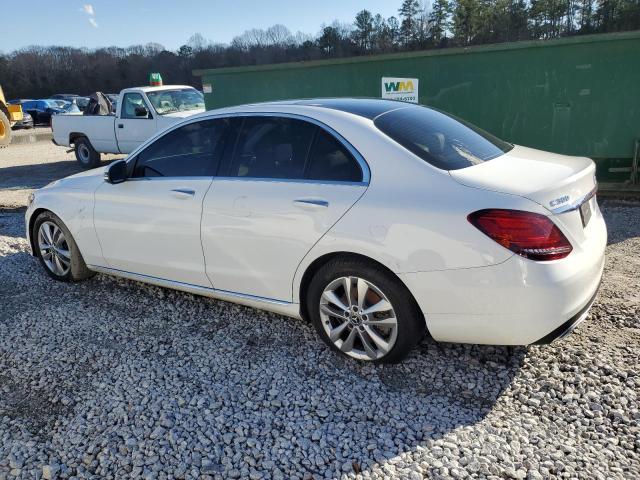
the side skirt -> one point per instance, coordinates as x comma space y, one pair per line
271, 305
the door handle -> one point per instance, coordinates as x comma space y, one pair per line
121, 125
183, 192
311, 203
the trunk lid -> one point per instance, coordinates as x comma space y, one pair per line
559, 183
550, 179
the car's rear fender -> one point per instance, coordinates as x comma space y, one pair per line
517, 302
424, 228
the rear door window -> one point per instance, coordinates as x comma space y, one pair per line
330, 160
272, 147
440, 139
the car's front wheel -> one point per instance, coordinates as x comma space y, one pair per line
57, 250
363, 311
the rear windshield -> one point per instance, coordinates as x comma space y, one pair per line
440, 139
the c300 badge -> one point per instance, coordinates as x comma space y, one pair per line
559, 201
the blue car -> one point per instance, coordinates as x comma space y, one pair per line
41, 110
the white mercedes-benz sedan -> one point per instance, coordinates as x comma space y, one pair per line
378, 221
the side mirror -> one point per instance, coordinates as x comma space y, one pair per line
141, 111
116, 172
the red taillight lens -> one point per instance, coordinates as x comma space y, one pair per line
528, 234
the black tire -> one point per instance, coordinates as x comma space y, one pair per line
411, 326
86, 155
5, 130
78, 268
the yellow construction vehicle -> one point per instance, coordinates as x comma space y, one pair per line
9, 115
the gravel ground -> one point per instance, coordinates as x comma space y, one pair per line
114, 379
27, 135
26, 167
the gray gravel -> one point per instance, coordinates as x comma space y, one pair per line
114, 379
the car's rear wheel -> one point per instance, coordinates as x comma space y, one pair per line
57, 250
364, 312
86, 155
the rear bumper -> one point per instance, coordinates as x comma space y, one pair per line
517, 302
24, 124
567, 327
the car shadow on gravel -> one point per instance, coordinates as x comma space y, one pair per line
38, 175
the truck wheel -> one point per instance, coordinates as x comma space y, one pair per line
85, 153
5, 130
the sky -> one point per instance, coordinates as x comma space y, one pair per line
170, 23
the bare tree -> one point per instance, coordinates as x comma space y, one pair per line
39, 71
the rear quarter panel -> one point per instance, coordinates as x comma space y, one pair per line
413, 217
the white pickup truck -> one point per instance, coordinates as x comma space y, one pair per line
140, 113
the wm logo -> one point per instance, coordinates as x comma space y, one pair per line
405, 87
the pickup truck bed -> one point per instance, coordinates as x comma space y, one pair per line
100, 129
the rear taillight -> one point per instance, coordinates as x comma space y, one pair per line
528, 234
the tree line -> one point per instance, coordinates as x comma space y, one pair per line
39, 71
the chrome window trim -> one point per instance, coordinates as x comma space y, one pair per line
155, 179
364, 166
248, 179
291, 180
576, 204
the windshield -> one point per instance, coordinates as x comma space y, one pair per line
70, 108
170, 101
82, 102
440, 139
54, 103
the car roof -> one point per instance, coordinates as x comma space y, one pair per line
160, 88
364, 107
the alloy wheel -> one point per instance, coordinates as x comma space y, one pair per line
358, 318
54, 248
